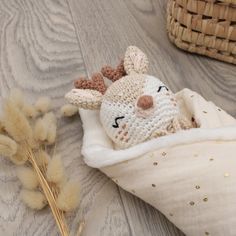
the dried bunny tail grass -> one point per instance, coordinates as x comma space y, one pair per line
15, 123
34, 144
33, 199
21, 155
50, 118
42, 158
27, 177
40, 130
69, 197
55, 171
8, 147
18, 159
16, 97
43, 104
52, 134
30, 111
69, 110
45, 128
51, 121
58, 215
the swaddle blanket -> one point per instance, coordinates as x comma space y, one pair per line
190, 176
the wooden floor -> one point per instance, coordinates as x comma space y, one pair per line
44, 46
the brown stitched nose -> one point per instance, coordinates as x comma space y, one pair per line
145, 102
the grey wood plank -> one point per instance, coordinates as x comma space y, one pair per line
106, 28
39, 53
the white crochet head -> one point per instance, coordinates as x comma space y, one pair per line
124, 121
135, 107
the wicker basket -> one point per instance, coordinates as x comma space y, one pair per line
206, 27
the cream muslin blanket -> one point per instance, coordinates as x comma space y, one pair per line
190, 176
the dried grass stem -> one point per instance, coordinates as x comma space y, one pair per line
58, 215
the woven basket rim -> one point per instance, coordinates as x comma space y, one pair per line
223, 1
191, 6
193, 32
220, 1
225, 30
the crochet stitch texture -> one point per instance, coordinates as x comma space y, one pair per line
136, 107
137, 124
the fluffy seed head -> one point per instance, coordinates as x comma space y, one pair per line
21, 155
40, 130
52, 133
8, 146
33, 199
50, 118
69, 196
55, 170
45, 128
30, 111
69, 110
15, 123
43, 104
27, 177
42, 158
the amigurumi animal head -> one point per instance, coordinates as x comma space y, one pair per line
135, 107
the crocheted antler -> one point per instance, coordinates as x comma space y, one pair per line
96, 83
114, 74
88, 93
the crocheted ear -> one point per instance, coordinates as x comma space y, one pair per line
85, 98
135, 61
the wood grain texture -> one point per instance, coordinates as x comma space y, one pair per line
105, 28
39, 53
44, 46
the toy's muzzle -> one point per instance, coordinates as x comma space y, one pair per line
145, 102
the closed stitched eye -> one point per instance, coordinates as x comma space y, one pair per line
116, 125
161, 87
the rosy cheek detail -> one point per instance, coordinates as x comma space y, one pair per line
122, 133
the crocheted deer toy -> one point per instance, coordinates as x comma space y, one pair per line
136, 107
